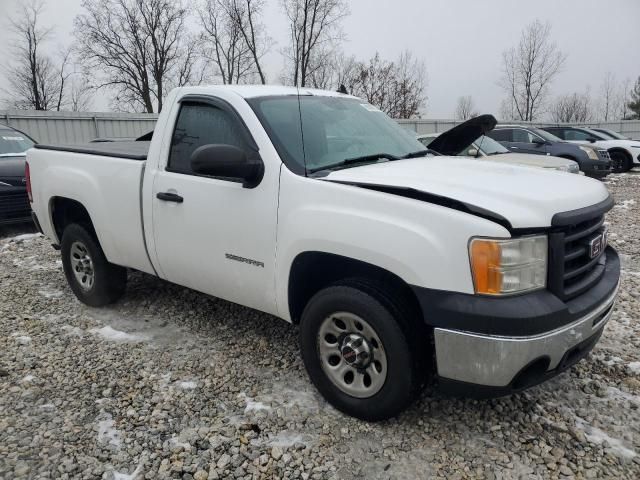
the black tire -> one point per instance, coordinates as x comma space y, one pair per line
401, 340
109, 280
620, 162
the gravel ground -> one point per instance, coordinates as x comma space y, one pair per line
169, 383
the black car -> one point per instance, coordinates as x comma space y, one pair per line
594, 162
14, 204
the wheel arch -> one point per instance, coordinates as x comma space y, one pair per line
64, 211
311, 271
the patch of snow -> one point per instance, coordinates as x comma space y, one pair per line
597, 436
286, 439
50, 293
25, 237
616, 392
48, 406
252, 405
71, 330
28, 378
190, 385
23, 339
626, 204
107, 433
176, 442
634, 367
127, 476
112, 334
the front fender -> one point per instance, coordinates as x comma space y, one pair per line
424, 244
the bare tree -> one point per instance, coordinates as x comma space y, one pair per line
623, 99
221, 21
253, 32
80, 94
314, 25
135, 47
529, 69
465, 108
608, 97
572, 108
396, 88
634, 103
36, 79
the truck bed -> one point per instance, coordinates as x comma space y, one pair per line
133, 150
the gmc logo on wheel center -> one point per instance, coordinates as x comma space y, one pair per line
598, 244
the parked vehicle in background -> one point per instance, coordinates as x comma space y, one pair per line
14, 204
611, 133
625, 154
456, 142
594, 162
400, 268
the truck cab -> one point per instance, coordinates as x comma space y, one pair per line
400, 267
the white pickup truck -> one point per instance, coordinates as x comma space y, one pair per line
400, 267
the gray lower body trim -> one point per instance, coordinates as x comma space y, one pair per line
495, 361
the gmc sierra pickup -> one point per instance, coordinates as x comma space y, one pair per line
400, 266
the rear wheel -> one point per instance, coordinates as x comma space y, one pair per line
94, 280
360, 351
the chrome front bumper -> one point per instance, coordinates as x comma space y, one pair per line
495, 361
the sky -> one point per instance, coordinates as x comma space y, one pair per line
460, 41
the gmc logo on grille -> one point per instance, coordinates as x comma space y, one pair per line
598, 244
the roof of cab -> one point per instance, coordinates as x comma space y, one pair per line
252, 91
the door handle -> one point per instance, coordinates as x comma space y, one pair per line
170, 197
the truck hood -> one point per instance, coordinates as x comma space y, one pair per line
454, 140
524, 197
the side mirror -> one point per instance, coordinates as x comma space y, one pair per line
538, 141
591, 140
472, 152
228, 162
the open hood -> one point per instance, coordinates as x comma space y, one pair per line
461, 136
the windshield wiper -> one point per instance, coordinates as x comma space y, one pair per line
420, 153
350, 161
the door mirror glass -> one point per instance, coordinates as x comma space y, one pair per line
537, 141
228, 162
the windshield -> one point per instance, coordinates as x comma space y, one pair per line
14, 142
489, 146
333, 129
546, 135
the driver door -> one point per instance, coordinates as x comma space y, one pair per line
211, 234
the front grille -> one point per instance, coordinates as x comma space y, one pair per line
14, 206
572, 270
604, 154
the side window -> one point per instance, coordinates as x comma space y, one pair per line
501, 135
201, 124
576, 135
558, 132
521, 136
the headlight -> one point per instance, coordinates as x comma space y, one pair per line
591, 153
506, 266
574, 168
562, 168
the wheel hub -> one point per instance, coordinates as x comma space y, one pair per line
356, 351
82, 265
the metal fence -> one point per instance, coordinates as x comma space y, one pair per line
628, 128
75, 127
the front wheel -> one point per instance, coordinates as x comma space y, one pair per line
94, 280
357, 348
620, 163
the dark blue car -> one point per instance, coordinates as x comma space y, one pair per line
14, 204
593, 161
